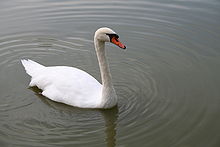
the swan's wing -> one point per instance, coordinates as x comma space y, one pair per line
67, 85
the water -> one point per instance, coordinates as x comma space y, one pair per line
167, 80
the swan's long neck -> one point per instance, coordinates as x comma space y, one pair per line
103, 64
109, 97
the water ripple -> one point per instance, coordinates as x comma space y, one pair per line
166, 81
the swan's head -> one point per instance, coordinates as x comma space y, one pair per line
108, 35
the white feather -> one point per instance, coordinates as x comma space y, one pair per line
64, 84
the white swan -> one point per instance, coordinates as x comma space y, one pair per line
73, 86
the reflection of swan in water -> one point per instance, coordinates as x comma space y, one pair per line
109, 116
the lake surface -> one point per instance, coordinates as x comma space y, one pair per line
167, 81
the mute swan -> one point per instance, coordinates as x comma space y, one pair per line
73, 86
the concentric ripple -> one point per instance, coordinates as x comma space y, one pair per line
167, 80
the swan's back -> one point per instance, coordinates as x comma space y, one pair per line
64, 84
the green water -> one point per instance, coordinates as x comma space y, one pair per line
167, 80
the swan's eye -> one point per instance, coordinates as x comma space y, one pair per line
113, 36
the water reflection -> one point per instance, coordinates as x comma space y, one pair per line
109, 117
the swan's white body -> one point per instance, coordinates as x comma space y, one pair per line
73, 86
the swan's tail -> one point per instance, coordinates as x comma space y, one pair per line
31, 67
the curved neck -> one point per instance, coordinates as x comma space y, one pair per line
109, 97
103, 63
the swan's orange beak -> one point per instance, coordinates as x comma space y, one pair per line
117, 42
